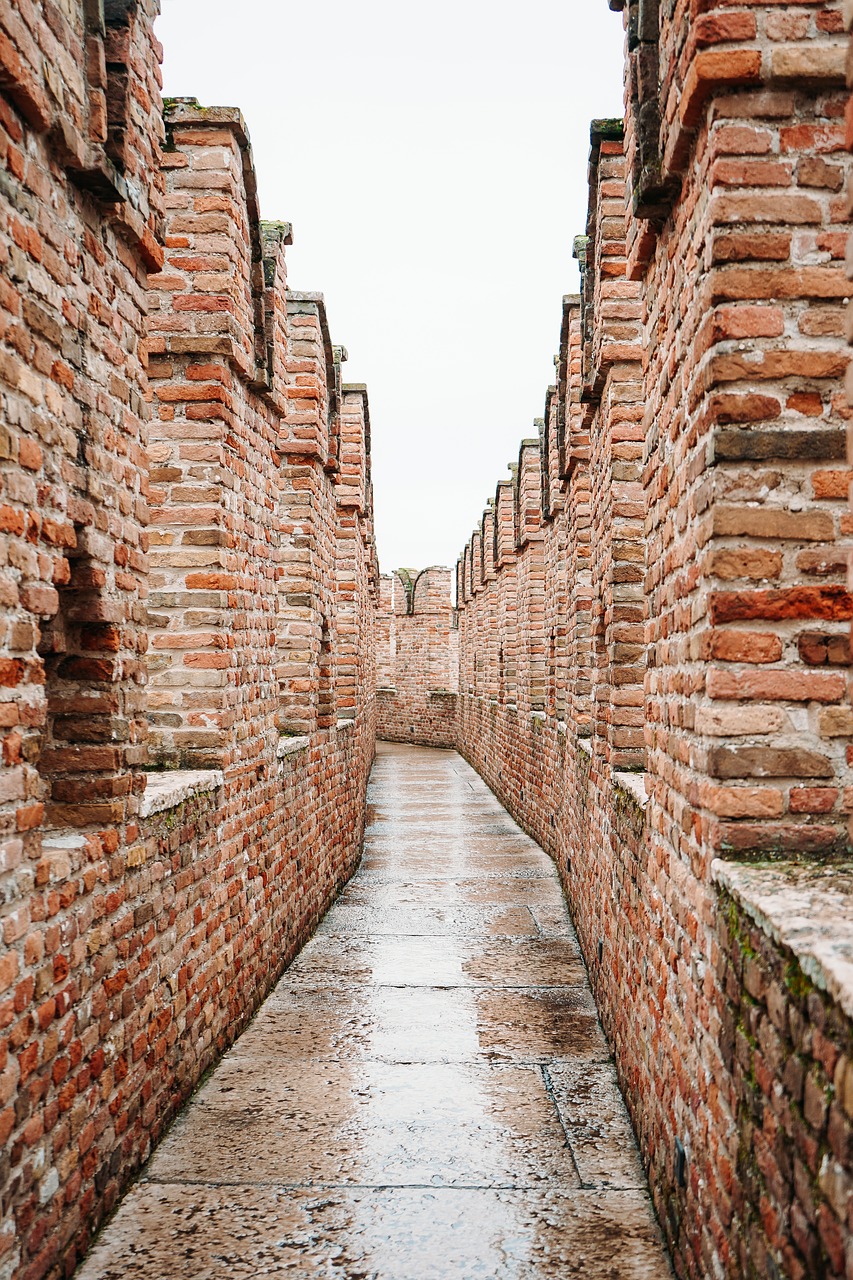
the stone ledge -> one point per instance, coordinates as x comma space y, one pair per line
168, 790
634, 783
289, 746
807, 908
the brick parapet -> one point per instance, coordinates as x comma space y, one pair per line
695, 560
417, 658
140, 934
746, 432
251, 485
81, 216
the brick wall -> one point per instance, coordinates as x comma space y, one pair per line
417, 658
651, 660
654, 627
188, 578
788, 1047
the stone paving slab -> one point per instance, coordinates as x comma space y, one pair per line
545, 1021
240, 1233
438, 961
596, 1123
427, 1094
373, 921
491, 890
351, 919
428, 1024
371, 1124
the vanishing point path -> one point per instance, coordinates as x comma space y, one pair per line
426, 1094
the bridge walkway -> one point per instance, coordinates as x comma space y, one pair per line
426, 1095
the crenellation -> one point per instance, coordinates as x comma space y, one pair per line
647, 658
669, 618
417, 658
186, 580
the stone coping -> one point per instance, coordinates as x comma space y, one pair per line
806, 907
431, 693
635, 783
169, 789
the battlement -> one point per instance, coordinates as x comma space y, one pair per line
648, 657
654, 619
248, 444
417, 661
188, 583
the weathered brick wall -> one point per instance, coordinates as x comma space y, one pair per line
80, 224
417, 658
150, 897
82, 209
693, 533
788, 1047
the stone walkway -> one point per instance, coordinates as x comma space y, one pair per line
426, 1094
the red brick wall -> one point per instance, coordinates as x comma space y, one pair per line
654, 617
417, 658
146, 913
787, 1048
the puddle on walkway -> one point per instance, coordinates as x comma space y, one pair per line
427, 1094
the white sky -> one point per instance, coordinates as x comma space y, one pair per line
432, 159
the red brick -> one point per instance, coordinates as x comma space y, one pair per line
745, 646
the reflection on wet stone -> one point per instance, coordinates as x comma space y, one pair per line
426, 1095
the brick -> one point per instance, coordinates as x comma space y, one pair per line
753, 563
756, 246
831, 484
813, 799
828, 603
745, 802
749, 407
758, 762
835, 722
794, 686
771, 522
745, 646
819, 649
815, 445
809, 61
747, 322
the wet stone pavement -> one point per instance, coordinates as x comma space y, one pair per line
426, 1094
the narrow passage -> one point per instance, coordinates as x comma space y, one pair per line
426, 1094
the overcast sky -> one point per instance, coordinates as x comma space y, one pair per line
432, 159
